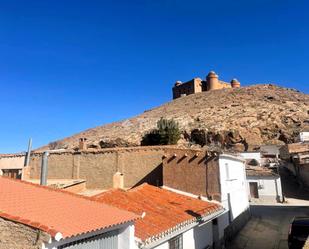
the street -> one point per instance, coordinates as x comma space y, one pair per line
268, 227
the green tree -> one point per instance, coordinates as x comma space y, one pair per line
166, 133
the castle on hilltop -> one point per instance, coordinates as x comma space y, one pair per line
197, 85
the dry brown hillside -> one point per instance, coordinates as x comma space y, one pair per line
238, 119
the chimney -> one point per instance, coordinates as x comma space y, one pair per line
82, 144
235, 83
44, 168
118, 180
212, 81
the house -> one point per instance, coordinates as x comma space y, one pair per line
264, 184
35, 216
169, 219
215, 177
263, 180
296, 157
11, 165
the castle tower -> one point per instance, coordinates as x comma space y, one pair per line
178, 83
212, 80
235, 83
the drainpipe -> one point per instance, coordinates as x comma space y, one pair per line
44, 168
27, 158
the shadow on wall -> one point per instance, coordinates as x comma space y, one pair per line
155, 177
291, 187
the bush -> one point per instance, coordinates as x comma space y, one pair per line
166, 133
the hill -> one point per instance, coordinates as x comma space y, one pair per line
234, 119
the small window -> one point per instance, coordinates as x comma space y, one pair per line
227, 172
176, 242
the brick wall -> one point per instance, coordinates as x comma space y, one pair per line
18, 236
192, 172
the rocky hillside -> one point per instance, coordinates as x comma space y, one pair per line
234, 119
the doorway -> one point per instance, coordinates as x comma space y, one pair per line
254, 192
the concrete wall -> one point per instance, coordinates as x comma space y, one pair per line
198, 237
126, 238
252, 155
192, 173
18, 236
234, 191
304, 173
270, 187
12, 162
140, 164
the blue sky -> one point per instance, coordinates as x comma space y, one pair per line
66, 66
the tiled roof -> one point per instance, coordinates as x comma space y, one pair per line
56, 211
165, 210
259, 171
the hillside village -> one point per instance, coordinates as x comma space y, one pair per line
235, 177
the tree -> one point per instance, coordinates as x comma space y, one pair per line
166, 133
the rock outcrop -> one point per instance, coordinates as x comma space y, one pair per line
232, 119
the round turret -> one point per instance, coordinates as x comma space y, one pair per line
178, 83
235, 83
212, 81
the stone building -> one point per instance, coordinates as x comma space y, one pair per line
197, 85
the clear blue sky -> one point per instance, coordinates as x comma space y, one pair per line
66, 66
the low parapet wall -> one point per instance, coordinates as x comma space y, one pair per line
97, 167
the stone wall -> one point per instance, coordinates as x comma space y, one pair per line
193, 172
18, 236
97, 167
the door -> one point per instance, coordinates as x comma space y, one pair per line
254, 192
12, 173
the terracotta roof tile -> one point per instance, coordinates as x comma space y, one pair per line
53, 211
164, 209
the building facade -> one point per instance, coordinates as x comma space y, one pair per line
170, 218
215, 177
197, 85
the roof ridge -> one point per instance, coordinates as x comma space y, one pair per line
57, 190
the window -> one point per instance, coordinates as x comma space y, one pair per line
227, 172
176, 242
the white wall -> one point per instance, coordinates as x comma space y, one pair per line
203, 236
12, 162
162, 246
223, 222
268, 185
252, 155
233, 182
303, 136
198, 237
126, 238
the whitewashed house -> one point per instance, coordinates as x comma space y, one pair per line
263, 181
171, 219
264, 185
215, 177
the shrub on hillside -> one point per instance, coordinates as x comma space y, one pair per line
166, 133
